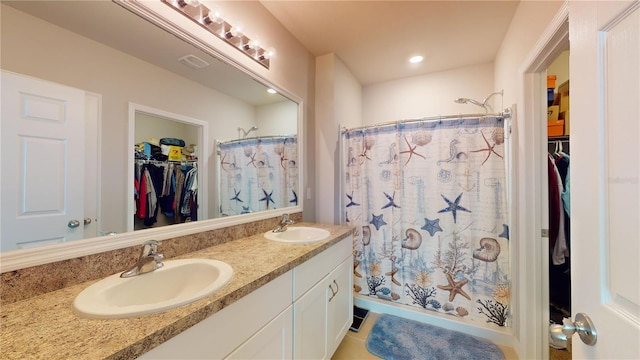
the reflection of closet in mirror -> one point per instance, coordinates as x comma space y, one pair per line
167, 169
559, 269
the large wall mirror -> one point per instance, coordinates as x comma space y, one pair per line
119, 62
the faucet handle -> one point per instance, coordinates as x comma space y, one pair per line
150, 248
287, 220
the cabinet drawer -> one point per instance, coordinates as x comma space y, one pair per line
309, 273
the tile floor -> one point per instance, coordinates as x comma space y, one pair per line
354, 344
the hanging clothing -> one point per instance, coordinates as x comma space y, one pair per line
562, 163
159, 189
557, 232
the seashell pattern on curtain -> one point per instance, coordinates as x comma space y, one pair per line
258, 174
428, 201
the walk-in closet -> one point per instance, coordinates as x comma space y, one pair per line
559, 177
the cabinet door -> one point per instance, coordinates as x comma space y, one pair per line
340, 303
310, 323
274, 341
323, 315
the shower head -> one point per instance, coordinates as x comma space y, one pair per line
245, 133
482, 104
471, 101
467, 101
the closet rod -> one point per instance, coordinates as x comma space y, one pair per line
162, 162
506, 114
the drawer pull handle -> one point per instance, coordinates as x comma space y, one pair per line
334, 293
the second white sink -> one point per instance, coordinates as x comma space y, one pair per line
298, 235
177, 283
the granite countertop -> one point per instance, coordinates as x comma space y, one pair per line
46, 326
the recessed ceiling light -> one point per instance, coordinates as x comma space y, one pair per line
271, 91
416, 59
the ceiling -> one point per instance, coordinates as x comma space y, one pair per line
375, 39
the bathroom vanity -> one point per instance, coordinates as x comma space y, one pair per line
306, 311
284, 301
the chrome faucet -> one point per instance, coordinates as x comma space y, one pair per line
149, 260
283, 224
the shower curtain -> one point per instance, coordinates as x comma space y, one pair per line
428, 201
258, 174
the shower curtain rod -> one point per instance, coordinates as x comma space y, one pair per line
506, 114
256, 138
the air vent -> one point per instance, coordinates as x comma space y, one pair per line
193, 61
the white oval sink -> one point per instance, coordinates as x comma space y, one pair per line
298, 235
177, 283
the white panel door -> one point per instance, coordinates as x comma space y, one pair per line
42, 162
605, 173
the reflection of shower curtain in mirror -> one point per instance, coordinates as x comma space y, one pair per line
428, 200
258, 174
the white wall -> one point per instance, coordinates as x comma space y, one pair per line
278, 118
338, 102
428, 95
529, 22
150, 126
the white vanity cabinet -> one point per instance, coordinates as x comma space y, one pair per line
303, 314
274, 341
323, 302
246, 322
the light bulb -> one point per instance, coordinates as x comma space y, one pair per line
236, 31
269, 53
271, 91
183, 3
254, 44
213, 17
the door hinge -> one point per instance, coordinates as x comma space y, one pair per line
545, 233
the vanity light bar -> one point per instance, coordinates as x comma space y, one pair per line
215, 24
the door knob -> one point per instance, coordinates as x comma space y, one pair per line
73, 224
87, 220
583, 326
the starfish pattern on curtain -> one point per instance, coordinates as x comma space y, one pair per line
428, 202
258, 174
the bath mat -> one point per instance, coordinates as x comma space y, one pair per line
395, 338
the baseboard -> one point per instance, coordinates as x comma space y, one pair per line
502, 337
